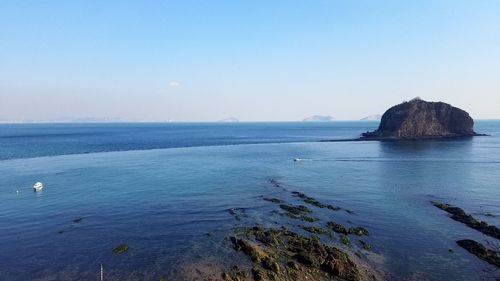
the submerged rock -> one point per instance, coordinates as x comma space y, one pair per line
237, 213
359, 230
296, 210
122, 248
461, 216
365, 245
337, 227
275, 182
419, 119
280, 254
273, 200
300, 217
480, 251
317, 230
314, 202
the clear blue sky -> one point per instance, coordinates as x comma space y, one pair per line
254, 60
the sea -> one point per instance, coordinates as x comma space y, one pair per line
170, 191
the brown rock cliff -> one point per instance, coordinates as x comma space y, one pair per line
419, 119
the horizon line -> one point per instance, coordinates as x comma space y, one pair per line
173, 122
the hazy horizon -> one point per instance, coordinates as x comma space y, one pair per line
201, 61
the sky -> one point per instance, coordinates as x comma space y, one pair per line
253, 60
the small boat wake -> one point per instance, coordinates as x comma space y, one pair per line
301, 159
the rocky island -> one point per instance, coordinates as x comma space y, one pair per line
419, 119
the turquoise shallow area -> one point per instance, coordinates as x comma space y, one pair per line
163, 202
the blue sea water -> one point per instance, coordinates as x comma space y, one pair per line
165, 190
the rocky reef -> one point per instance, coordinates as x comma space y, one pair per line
480, 251
419, 119
290, 238
284, 250
460, 215
474, 247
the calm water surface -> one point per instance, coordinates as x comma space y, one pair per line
162, 187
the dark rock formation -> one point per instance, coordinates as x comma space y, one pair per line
480, 251
461, 216
419, 119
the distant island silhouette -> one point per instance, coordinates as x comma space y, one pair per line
319, 118
229, 120
374, 117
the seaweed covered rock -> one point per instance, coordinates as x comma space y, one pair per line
480, 251
359, 230
314, 202
280, 254
122, 248
460, 215
419, 119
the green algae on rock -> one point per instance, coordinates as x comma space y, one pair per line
299, 217
345, 239
337, 227
308, 219
314, 202
461, 216
317, 230
280, 254
359, 230
122, 248
296, 210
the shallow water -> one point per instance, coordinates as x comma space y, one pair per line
163, 202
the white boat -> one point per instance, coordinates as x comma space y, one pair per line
38, 186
